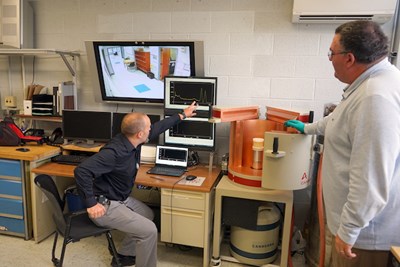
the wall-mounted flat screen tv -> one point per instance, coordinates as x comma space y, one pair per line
134, 71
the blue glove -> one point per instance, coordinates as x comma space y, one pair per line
298, 125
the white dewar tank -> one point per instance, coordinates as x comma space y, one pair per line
287, 161
260, 246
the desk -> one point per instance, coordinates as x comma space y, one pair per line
186, 211
394, 257
183, 207
15, 189
227, 188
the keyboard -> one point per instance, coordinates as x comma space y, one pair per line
169, 171
69, 159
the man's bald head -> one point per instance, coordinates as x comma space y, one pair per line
133, 123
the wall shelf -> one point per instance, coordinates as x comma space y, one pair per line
33, 52
42, 52
46, 52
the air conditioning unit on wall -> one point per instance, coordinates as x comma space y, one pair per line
16, 24
339, 11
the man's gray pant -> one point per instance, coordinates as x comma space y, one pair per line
135, 219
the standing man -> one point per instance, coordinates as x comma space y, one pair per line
361, 163
105, 182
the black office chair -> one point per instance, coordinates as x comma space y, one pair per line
72, 226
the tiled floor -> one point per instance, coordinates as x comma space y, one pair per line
15, 251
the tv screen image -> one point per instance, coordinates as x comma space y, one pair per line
129, 71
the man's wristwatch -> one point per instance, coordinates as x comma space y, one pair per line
102, 200
184, 115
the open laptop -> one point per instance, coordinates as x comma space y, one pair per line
171, 161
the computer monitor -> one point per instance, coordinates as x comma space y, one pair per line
117, 120
195, 132
86, 128
182, 91
134, 71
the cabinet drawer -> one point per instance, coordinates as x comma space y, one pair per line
11, 225
183, 199
10, 168
13, 188
12, 207
182, 226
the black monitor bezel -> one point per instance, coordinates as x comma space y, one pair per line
176, 142
156, 101
198, 79
87, 138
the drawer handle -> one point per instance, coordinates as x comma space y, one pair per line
184, 195
183, 213
181, 197
18, 217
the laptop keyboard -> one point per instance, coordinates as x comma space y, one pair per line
166, 171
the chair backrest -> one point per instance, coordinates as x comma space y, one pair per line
49, 188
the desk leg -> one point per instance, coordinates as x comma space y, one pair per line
208, 223
286, 233
216, 259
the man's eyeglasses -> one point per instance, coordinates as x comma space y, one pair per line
331, 53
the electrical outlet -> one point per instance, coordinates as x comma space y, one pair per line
10, 101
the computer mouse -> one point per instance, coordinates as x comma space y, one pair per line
23, 149
190, 177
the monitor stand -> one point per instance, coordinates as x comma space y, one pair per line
87, 144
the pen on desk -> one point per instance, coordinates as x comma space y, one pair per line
158, 178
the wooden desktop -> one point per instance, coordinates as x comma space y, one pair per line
394, 257
183, 207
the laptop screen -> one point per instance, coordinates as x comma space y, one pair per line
172, 156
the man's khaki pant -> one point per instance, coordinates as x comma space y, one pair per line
365, 258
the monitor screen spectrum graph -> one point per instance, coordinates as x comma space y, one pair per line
182, 91
192, 132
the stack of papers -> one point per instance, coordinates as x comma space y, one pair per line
196, 182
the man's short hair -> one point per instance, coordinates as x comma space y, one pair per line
133, 123
364, 39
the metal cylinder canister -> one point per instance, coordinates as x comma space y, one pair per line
257, 247
258, 151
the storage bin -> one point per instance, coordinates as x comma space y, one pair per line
74, 201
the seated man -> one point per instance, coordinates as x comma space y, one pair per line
105, 182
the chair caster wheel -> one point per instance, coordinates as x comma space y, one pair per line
56, 262
215, 262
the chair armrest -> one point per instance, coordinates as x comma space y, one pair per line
77, 213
